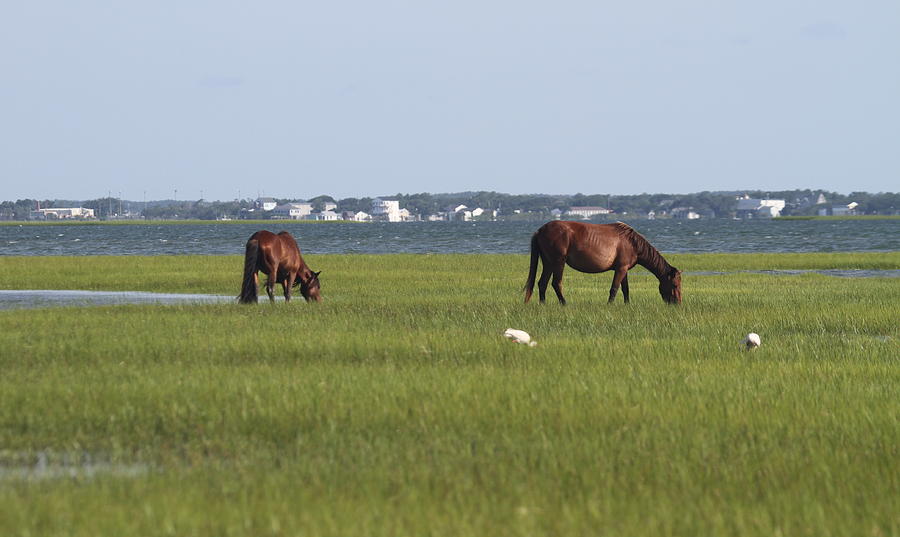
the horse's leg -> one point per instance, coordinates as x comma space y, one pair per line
557, 281
542, 283
625, 287
620, 275
288, 285
270, 283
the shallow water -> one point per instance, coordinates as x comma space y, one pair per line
47, 297
669, 236
48, 465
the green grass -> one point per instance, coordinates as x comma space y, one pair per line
396, 408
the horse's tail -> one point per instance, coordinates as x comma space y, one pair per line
532, 269
249, 291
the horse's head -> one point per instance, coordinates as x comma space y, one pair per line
670, 286
309, 286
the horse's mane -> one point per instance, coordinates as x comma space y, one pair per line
647, 255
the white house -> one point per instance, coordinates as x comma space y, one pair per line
463, 213
292, 211
839, 210
685, 213
456, 212
329, 216
266, 204
748, 207
62, 213
585, 213
358, 216
388, 210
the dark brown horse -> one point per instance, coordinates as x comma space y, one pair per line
597, 248
278, 256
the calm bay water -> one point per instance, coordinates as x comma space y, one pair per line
669, 236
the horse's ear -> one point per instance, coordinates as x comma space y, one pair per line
316, 274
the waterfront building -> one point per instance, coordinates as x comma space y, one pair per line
748, 207
292, 211
586, 213
62, 213
386, 210
265, 204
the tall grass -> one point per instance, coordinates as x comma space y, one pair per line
395, 407
222, 274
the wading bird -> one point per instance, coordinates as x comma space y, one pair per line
519, 336
751, 341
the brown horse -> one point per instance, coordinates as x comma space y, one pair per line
597, 248
278, 256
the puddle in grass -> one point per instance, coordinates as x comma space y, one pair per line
48, 465
47, 298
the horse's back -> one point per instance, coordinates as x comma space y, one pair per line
267, 239
289, 241
279, 251
587, 247
263, 237
580, 233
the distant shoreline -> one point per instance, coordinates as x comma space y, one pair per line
847, 217
161, 222
74, 222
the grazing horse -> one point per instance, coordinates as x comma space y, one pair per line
278, 256
597, 248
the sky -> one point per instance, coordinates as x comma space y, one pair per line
225, 99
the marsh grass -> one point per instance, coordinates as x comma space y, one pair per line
395, 407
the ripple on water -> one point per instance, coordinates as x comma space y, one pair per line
668, 236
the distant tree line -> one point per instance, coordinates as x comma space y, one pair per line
509, 206
708, 204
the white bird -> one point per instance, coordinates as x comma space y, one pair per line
519, 336
751, 341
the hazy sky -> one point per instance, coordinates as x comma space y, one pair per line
362, 98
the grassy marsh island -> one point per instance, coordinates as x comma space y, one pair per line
395, 407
